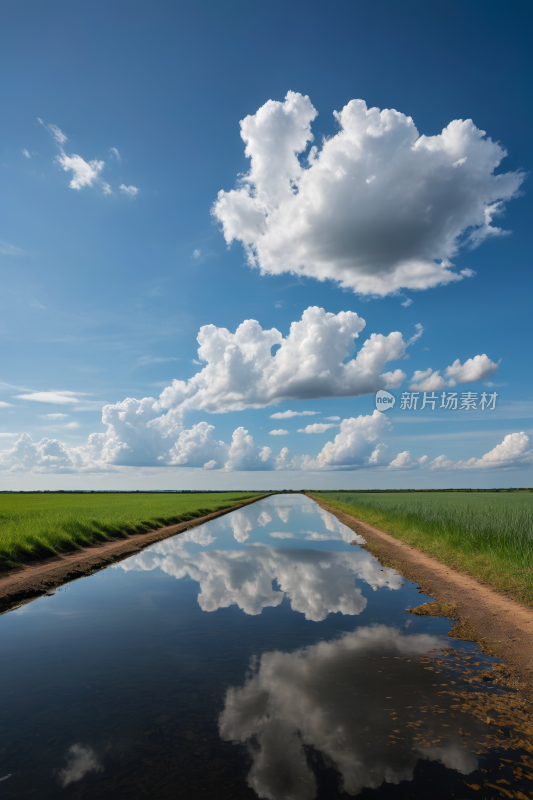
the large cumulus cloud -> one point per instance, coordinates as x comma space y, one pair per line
310, 363
377, 207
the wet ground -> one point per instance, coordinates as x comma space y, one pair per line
257, 655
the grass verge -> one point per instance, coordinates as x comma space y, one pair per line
34, 526
488, 537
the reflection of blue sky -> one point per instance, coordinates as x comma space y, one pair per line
281, 516
326, 697
256, 574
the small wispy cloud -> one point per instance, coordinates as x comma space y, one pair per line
114, 152
197, 253
36, 304
417, 335
12, 386
91, 405
407, 302
59, 398
53, 416
289, 414
317, 427
3, 404
144, 360
279, 432
72, 425
7, 249
54, 131
333, 419
26, 153
131, 191
106, 188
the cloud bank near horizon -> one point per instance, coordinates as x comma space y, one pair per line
312, 361
358, 445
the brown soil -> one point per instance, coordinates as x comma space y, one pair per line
22, 584
500, 624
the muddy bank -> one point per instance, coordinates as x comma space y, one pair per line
501, 625
22, 584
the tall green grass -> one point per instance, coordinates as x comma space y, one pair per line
40, 525
490, 536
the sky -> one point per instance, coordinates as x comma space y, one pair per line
227, 226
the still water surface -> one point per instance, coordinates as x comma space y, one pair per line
258, 655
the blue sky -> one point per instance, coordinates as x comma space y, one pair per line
105, 289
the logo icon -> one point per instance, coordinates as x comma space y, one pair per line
384, 400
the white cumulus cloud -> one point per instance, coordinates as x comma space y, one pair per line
377, 207
278, 432
131, 191
512, 452
478, 368
84, 173
290, 414
317, 427
241, 371
353, 446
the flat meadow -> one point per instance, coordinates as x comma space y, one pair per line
40, 525
486, 534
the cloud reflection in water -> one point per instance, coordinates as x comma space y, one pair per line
316, 582
326, 704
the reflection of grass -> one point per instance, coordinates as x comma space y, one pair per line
40, 525
490, 536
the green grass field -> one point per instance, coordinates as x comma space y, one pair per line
488, 535
35, 526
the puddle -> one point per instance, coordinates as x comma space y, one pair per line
257, 655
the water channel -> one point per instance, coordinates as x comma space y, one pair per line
257, 655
